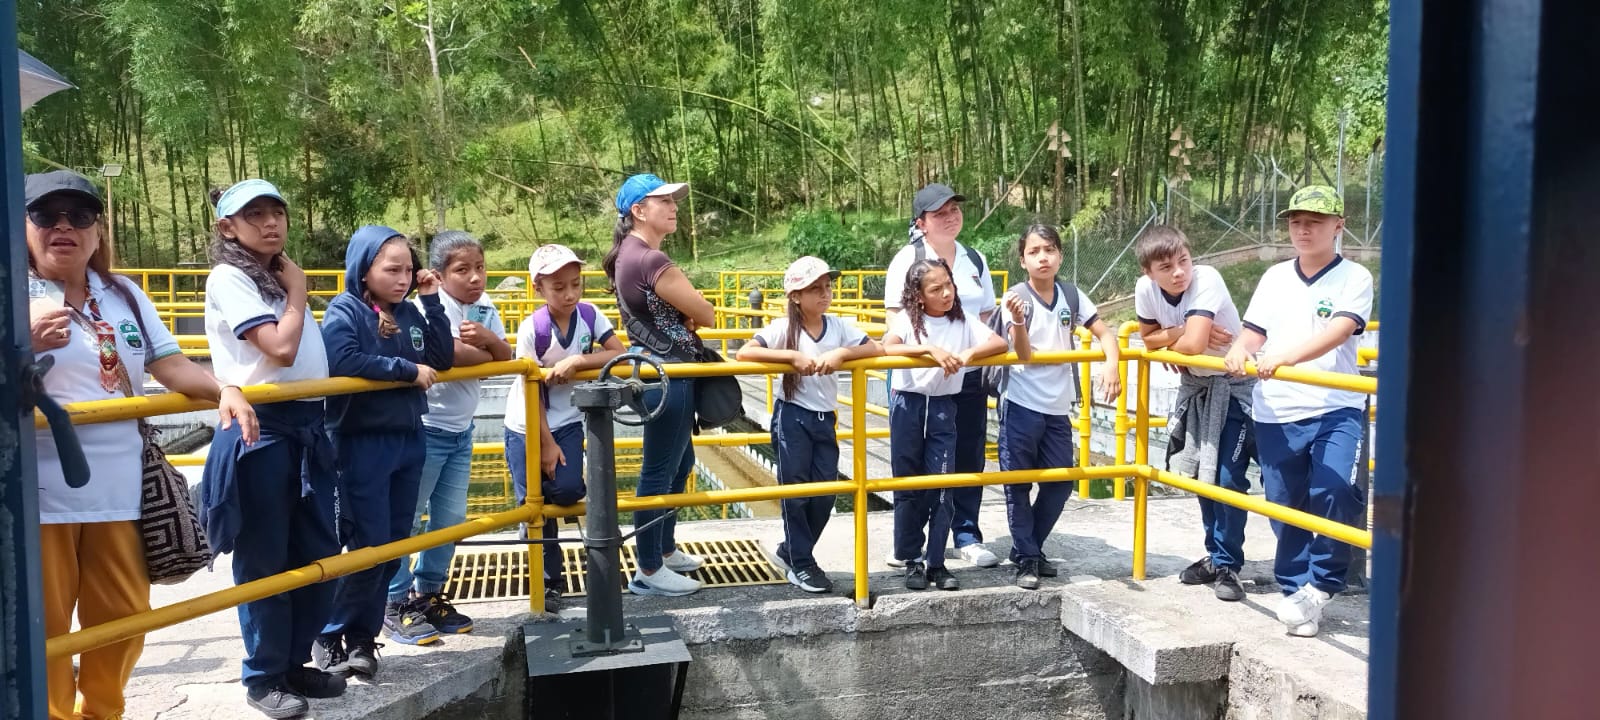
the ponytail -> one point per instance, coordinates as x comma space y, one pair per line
791, 341
620, 233
387, 327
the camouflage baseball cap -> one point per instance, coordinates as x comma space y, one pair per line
1315, 198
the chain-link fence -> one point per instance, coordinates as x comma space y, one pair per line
1236, 235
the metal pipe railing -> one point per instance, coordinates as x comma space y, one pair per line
536, 512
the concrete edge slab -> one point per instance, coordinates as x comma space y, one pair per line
418, 682
1146, 645
817, 616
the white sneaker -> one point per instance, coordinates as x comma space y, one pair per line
665, 583
979, 555
682, 562
1303, 607
1304, 629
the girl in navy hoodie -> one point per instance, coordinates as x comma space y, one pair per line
371, 332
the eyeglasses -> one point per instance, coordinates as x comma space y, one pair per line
80, 218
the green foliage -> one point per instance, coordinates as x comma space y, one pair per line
523, 117
860, 244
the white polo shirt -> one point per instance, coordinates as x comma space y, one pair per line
819, 393
451, 405
233, 307
1207, 296
942, 333
114, 449
561, 411
1048, 389
1290, 309
973, 283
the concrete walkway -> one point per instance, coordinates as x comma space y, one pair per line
192, 670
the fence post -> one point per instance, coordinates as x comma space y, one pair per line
1141, 456
858, 447
1120, 492
535, 497
1085, 412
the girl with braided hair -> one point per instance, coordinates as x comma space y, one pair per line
922, 433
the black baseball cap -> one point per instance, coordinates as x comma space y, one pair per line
932, 197
38, 186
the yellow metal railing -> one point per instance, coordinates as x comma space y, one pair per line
536, 512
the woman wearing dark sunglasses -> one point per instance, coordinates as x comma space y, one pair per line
104, 336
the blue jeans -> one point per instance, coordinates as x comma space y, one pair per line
1224, 524
922, 440
442, 494
279, 531
1310, 465
808, 451
1031, 440
566, 487
972, 433
378, 477
668, 459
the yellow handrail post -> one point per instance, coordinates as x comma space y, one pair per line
1085, 412
535, 503
858, 448
1141, 484
1120, 491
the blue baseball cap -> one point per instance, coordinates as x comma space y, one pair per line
635, 189
241, 193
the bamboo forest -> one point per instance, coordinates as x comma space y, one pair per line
806, 122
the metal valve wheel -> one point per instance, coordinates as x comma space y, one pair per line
634, 410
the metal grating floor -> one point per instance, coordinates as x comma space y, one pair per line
485, 575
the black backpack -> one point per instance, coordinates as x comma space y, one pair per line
995, 377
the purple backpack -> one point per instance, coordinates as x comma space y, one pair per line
544, 329
544, 332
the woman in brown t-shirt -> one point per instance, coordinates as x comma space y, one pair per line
661, 311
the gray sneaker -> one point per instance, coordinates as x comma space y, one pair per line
1228, 588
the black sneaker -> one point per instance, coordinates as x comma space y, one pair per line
405, 623
1047, 568
313, 683
782, 554
276, 701
328, 654
941, 577
916, 576
811, 579
1228, 587
442, 615
1201, 572
1028, 574
363, 657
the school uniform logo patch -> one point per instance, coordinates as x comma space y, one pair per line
1065, 315
416, 339
131, 335
583, 340
1325, 308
